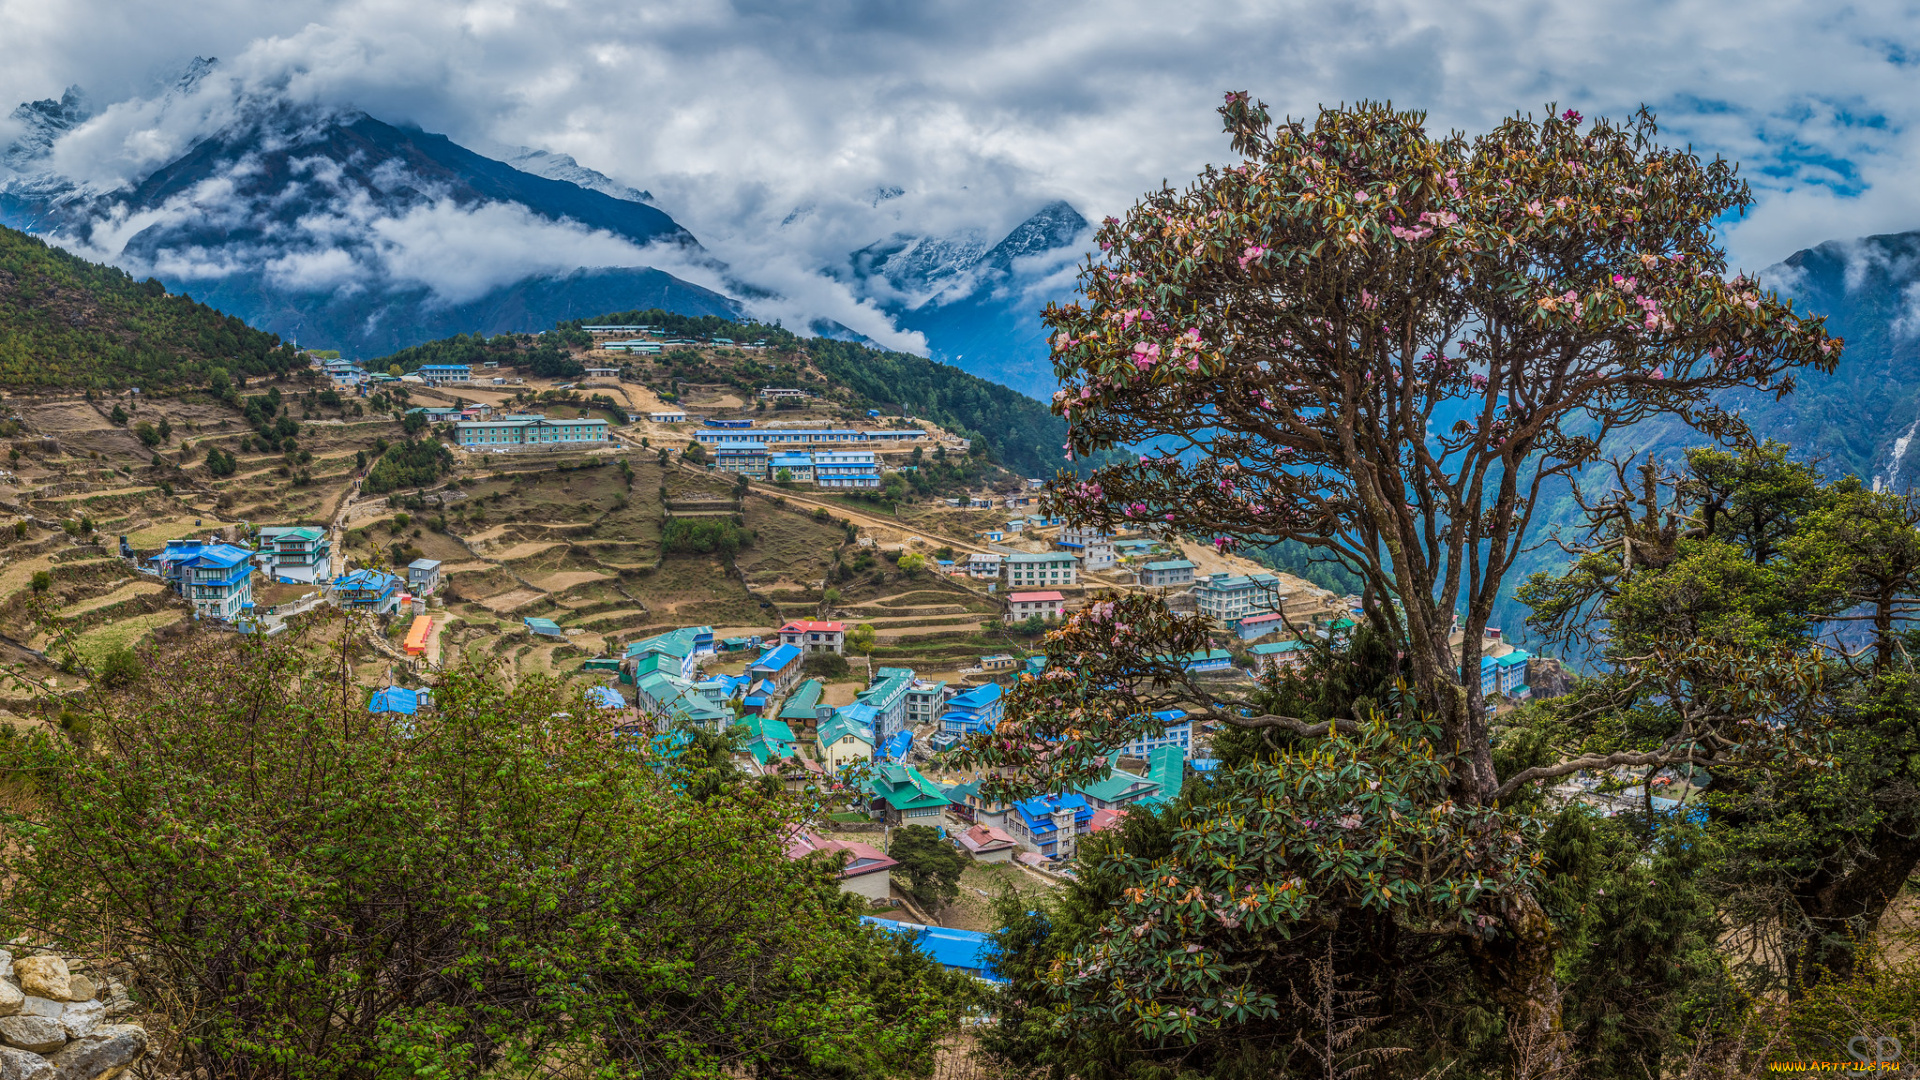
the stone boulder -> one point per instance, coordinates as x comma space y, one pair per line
43, 976
38, 1034
11, 999
80, 1017
21, 1065
103, 1054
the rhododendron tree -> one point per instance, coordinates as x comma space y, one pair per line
1383, 345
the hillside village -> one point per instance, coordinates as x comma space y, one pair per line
687, 555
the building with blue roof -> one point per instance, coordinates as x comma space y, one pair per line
797, 465
745, 458
605, 697
217, 579
1174, 730
978, 709
846, 469
779, 666
1051, 825
372, 591
445, 373
967, 951
399, 699
895, 748
804, 436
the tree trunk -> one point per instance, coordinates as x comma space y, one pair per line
1518, 967
1843, 912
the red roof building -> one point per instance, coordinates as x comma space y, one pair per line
989, 844
809, 635
1022, 606
866, 870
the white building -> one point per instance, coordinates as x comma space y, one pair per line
1093, 546
1048, 568
984, 567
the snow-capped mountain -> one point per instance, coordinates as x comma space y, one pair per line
979, 304
337, 229
562, 167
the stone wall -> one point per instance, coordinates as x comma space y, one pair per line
59, 1019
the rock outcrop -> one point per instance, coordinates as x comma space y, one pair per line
54, 1021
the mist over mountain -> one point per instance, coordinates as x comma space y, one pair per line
979, 304
1863, 418
339, 229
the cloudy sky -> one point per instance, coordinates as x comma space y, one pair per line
736, 115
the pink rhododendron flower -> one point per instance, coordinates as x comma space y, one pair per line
1570, 116
1253, 252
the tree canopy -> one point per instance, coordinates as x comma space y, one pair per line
499, 884
1380, 345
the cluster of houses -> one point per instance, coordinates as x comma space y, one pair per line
352, 375
656, 338
792, 733
217, 577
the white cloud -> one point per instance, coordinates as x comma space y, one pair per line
734, 114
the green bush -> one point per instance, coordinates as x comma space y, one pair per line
276, 864
704, 536
408, 464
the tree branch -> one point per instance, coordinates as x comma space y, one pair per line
1595, 761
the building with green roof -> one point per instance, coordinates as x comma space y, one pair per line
1119, 790
801, 709
672, 700
1167, 770
1277, 656
888, 696
682, 646
901, 796
768, 739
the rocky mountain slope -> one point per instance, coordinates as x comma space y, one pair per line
979, 304
343, 231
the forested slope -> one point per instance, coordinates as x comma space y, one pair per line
71, 324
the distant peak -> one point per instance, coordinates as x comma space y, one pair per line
44, 121
195, 71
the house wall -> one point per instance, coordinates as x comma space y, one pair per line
874, 885
847, 749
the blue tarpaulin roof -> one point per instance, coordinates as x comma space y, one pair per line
606, 697
897, 747
963, 950
397, 699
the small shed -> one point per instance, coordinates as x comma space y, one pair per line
546, 628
